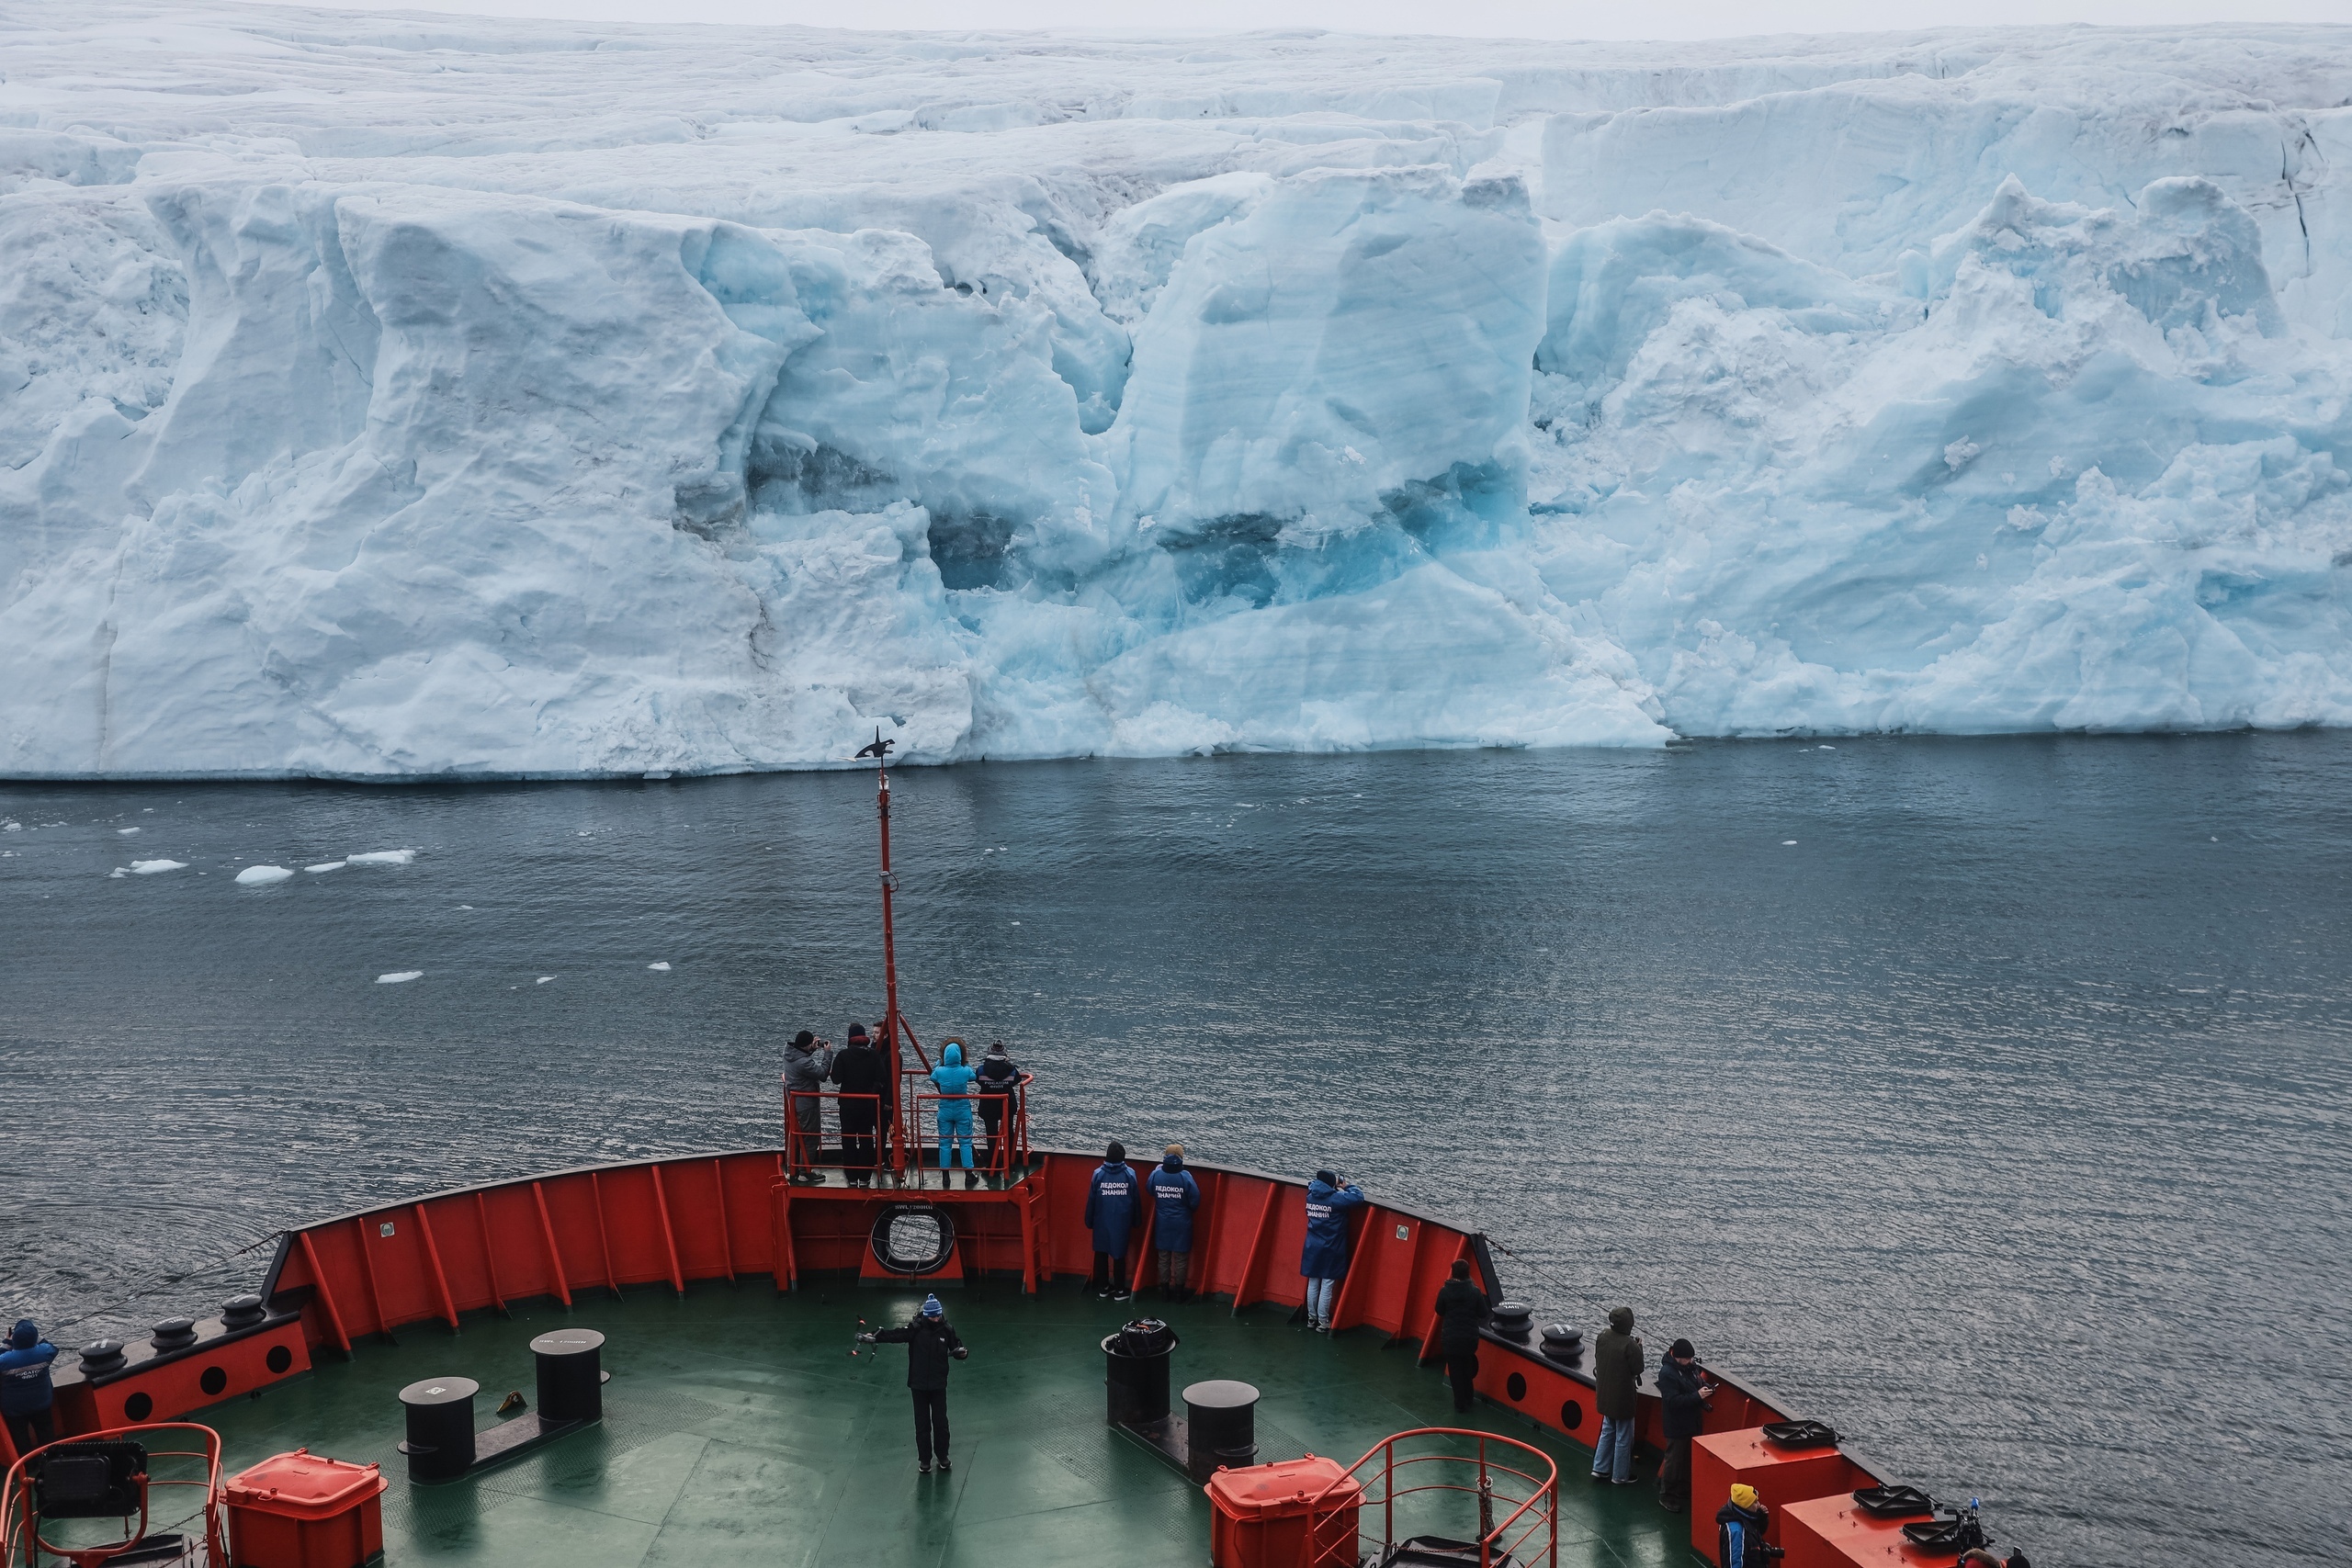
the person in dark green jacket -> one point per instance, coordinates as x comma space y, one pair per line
1616, 1373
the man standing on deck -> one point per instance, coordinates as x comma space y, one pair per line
1324, 1258
1112, 1209
1174, 1196
1616, 1373
1683, 1392
1461, 1309
860, 1070
806, 1061
26, 1395
932, 1342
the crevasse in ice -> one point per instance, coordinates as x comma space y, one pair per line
393, 395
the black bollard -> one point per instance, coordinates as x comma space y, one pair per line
440, 1445
1221, 1425
572, 1379
1135, 1372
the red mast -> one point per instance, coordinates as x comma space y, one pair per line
893, 1023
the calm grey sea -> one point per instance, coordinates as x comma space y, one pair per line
1986, 1098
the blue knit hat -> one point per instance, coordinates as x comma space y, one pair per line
931, 1307
26, 1336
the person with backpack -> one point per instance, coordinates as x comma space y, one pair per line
1740, 1525
1174, 1196
1462, 1311
27, 1400
1616, 1373
932, 1345
1114, 1208
1324, 1257
953, 1081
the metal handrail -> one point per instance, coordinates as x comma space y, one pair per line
1540, 1507
18, 1519
794, 1149
1011, 1145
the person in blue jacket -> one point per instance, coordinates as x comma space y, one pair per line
954, 1080
1324, 1258
1174, 1196
26, 1396
1114, 1208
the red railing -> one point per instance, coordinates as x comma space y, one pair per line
20, 1538
1334, 1532
801, 1150
917, 1110
1012, 1142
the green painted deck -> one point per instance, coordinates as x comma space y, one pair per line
737, 1429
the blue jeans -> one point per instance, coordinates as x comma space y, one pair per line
1613, 1451
1321, 1296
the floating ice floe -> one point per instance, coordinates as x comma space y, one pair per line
382, 857
1786, 843
543, 979
662, 968
150, 867
11, 827
126, 832
400, 976
262, 876
325, 865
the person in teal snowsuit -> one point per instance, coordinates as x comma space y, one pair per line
954, 1080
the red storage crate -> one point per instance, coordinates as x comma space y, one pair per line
1781, 1476
1262, 1516
303, 1511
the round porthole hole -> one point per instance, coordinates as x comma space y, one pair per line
212, 1380
138, 1408
1516, 1387
1571, 1415
913, 1238
278, 1359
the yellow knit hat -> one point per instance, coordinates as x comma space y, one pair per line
1744, 1495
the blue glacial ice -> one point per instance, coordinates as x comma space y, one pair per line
387, 396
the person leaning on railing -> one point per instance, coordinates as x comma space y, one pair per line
1174, 1196
999, 1074
860, 1071
1324, 1256
26, 1396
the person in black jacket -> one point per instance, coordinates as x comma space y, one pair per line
1461, 1309
932, 1342
1683, 1391
860, 1069
1000, 1076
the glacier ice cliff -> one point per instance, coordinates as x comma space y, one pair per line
394, 396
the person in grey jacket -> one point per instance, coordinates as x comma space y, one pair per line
1616, 1374
806, 1061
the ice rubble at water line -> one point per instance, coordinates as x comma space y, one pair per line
1830, 404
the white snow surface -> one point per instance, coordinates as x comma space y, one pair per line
396, 395
262, 876
153, 867
373, 857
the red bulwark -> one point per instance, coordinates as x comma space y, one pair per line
1781, 1476
1832, 1532
301, 1510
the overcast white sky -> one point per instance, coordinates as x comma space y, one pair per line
1506, 19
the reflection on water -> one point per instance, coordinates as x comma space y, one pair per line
1986, 1098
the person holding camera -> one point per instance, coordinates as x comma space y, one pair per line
1740, 1525
1682, 1392
1324, 1257
806, 1061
